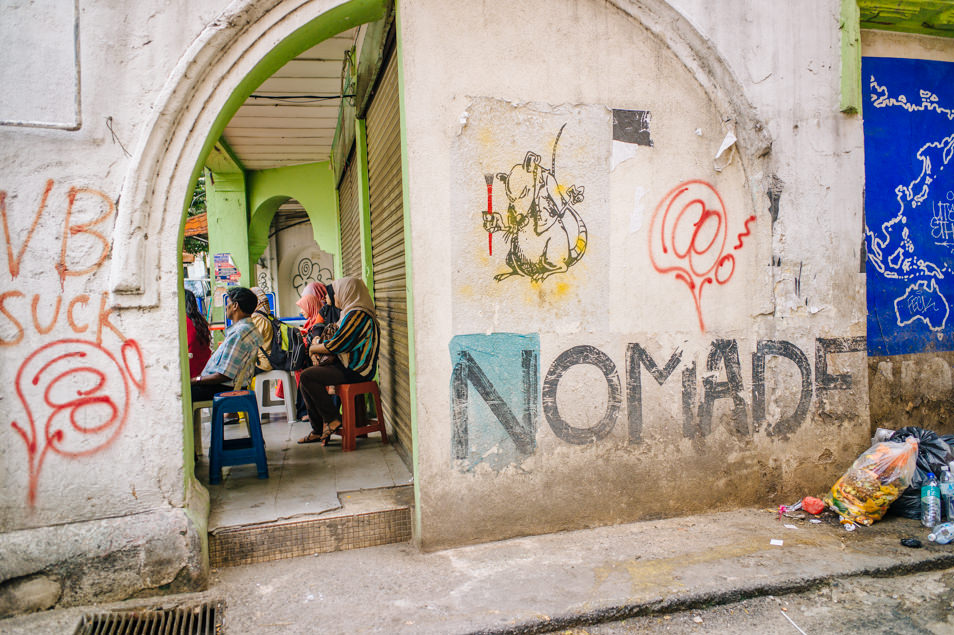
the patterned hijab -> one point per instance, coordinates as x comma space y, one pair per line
262, 301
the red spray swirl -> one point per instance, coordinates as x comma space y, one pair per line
84, 403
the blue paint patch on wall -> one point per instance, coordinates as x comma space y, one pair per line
494, 398
909, 204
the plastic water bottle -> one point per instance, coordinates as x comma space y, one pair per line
930, 501
947, 492
942, 534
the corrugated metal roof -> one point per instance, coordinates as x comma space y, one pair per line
197, 225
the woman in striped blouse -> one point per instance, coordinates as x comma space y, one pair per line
355, 344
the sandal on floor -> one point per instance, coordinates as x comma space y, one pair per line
313, 438
326, 435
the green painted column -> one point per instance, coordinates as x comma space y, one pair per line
226, 209
850, 28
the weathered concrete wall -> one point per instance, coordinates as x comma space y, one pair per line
649, 366
95, 499
99, 500
911, 388
689, 359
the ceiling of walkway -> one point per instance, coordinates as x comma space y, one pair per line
290, 119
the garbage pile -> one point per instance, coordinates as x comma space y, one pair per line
909, 472
876, 479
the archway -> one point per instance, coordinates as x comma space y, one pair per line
231, 58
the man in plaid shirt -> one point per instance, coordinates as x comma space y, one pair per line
237, 350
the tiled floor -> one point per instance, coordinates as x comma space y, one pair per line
305, 481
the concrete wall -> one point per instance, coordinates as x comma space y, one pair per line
668, 369
910, 360
96, 500
607, 380
300, 262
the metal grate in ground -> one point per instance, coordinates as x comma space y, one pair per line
200, 619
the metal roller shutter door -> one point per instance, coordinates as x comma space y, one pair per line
387, 251
349, 219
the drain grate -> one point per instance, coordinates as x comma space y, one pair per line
201, 619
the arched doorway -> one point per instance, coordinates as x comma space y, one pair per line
231, 61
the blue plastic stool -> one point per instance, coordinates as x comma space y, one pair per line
242, 451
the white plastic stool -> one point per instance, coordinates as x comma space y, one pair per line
197, 407
263, 396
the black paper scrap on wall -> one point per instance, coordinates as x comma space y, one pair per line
632, 126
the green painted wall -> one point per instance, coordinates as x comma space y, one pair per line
312, 185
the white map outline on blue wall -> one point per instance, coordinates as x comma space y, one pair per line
894, 253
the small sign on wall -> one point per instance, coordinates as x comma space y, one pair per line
226, 273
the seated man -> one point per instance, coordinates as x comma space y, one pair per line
238, 349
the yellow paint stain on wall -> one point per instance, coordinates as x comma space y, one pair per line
486, 138
580, 244
546, 292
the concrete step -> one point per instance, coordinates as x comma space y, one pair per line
367, 518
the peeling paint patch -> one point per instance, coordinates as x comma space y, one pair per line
639, 210
774, 192
494, 395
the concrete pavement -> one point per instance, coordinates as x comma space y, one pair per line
543, 583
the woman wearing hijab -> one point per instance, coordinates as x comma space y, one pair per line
356, 346
325, 294
264, 326
316, 305
310, 304
198, 336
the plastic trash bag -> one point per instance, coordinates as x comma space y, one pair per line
876, 479
933, 452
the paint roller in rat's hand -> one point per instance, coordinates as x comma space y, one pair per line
489, 178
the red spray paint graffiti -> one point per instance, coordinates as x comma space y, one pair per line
75, 394
89, 198
688, 237
85, 401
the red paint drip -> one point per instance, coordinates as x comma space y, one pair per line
746, 232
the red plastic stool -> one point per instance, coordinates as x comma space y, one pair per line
354, 418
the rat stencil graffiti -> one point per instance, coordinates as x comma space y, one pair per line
542, 229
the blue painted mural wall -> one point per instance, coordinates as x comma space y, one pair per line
909, 204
